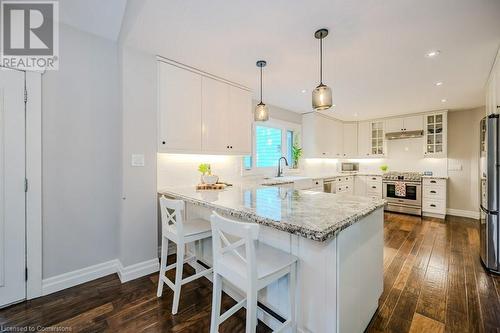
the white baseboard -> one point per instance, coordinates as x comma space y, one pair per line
138, 270
463, 213
79, 276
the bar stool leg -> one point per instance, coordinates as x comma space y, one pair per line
178, 276
163, 265
293, 293
251, 324
216, 303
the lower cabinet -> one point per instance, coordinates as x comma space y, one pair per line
368, 186
344, 184
434, 197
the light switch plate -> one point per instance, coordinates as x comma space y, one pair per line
137, 160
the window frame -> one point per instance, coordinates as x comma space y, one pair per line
284, 126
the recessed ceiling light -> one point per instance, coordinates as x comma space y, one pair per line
444, 100
439, 83
432, 54
303, 91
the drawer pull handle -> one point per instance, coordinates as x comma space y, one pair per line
433, 205
433, 191
374, 186
433, 181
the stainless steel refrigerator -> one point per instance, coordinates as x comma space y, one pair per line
489, 166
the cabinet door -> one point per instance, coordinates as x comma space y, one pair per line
215, 116
377, 138
239, 121
413, 123
179, 109
394, 125
435, 135
360, 185
364, 139
337, 138
350, 140
324, 136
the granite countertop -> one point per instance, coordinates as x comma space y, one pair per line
315, 215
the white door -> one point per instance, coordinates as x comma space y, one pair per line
179, 98
240, 120
394, 125
12, 194
215, 115
413, 123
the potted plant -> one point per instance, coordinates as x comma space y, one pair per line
384, 168
206, 174
296, 155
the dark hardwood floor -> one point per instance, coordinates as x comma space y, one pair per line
433, 282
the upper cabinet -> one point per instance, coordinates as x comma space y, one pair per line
321, 136
435, 134
364, 140
350, 140
412, 123
377, 140
179, 103
201, 114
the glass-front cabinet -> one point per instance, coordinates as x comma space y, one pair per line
377, 138
435, 134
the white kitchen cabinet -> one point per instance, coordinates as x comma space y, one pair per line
435, 134
404, 124
321, 136
364, 144
360, 185
201, 114
179, 103
434, 197
215, 112
377, 140
350, 140
239, 121
413, 123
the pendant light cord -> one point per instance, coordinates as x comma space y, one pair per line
321, 60
261, 84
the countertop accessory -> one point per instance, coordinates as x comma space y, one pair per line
261, 112
322, 94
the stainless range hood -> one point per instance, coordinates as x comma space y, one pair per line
404, 135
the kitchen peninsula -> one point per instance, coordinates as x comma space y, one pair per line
338, 239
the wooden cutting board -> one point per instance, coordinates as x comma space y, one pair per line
208, 187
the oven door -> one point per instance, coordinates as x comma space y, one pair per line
413, 195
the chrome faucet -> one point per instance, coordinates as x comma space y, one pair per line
280, 170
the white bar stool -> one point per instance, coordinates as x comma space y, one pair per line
250, 266
176, 229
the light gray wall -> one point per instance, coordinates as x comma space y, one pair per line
81, 125
463, 149
138, 226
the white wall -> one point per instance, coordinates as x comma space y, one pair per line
81, 154
138, 227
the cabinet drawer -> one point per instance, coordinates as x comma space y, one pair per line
373, 187
434, 192
434, 182
434, 206
373, 178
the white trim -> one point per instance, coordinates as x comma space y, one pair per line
79, 276
200, 72
138, 270
33, 81
463, 213
86, 274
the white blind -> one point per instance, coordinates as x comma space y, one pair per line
267, 146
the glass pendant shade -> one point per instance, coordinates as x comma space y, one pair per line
261, 112
322, 97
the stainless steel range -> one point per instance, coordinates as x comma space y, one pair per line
403, 192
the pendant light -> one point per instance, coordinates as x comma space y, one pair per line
322, 94
261, 112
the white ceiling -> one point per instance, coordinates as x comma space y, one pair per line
98, 17
374, 55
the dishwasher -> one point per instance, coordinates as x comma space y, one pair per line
329, 186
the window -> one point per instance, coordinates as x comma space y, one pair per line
271, 141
